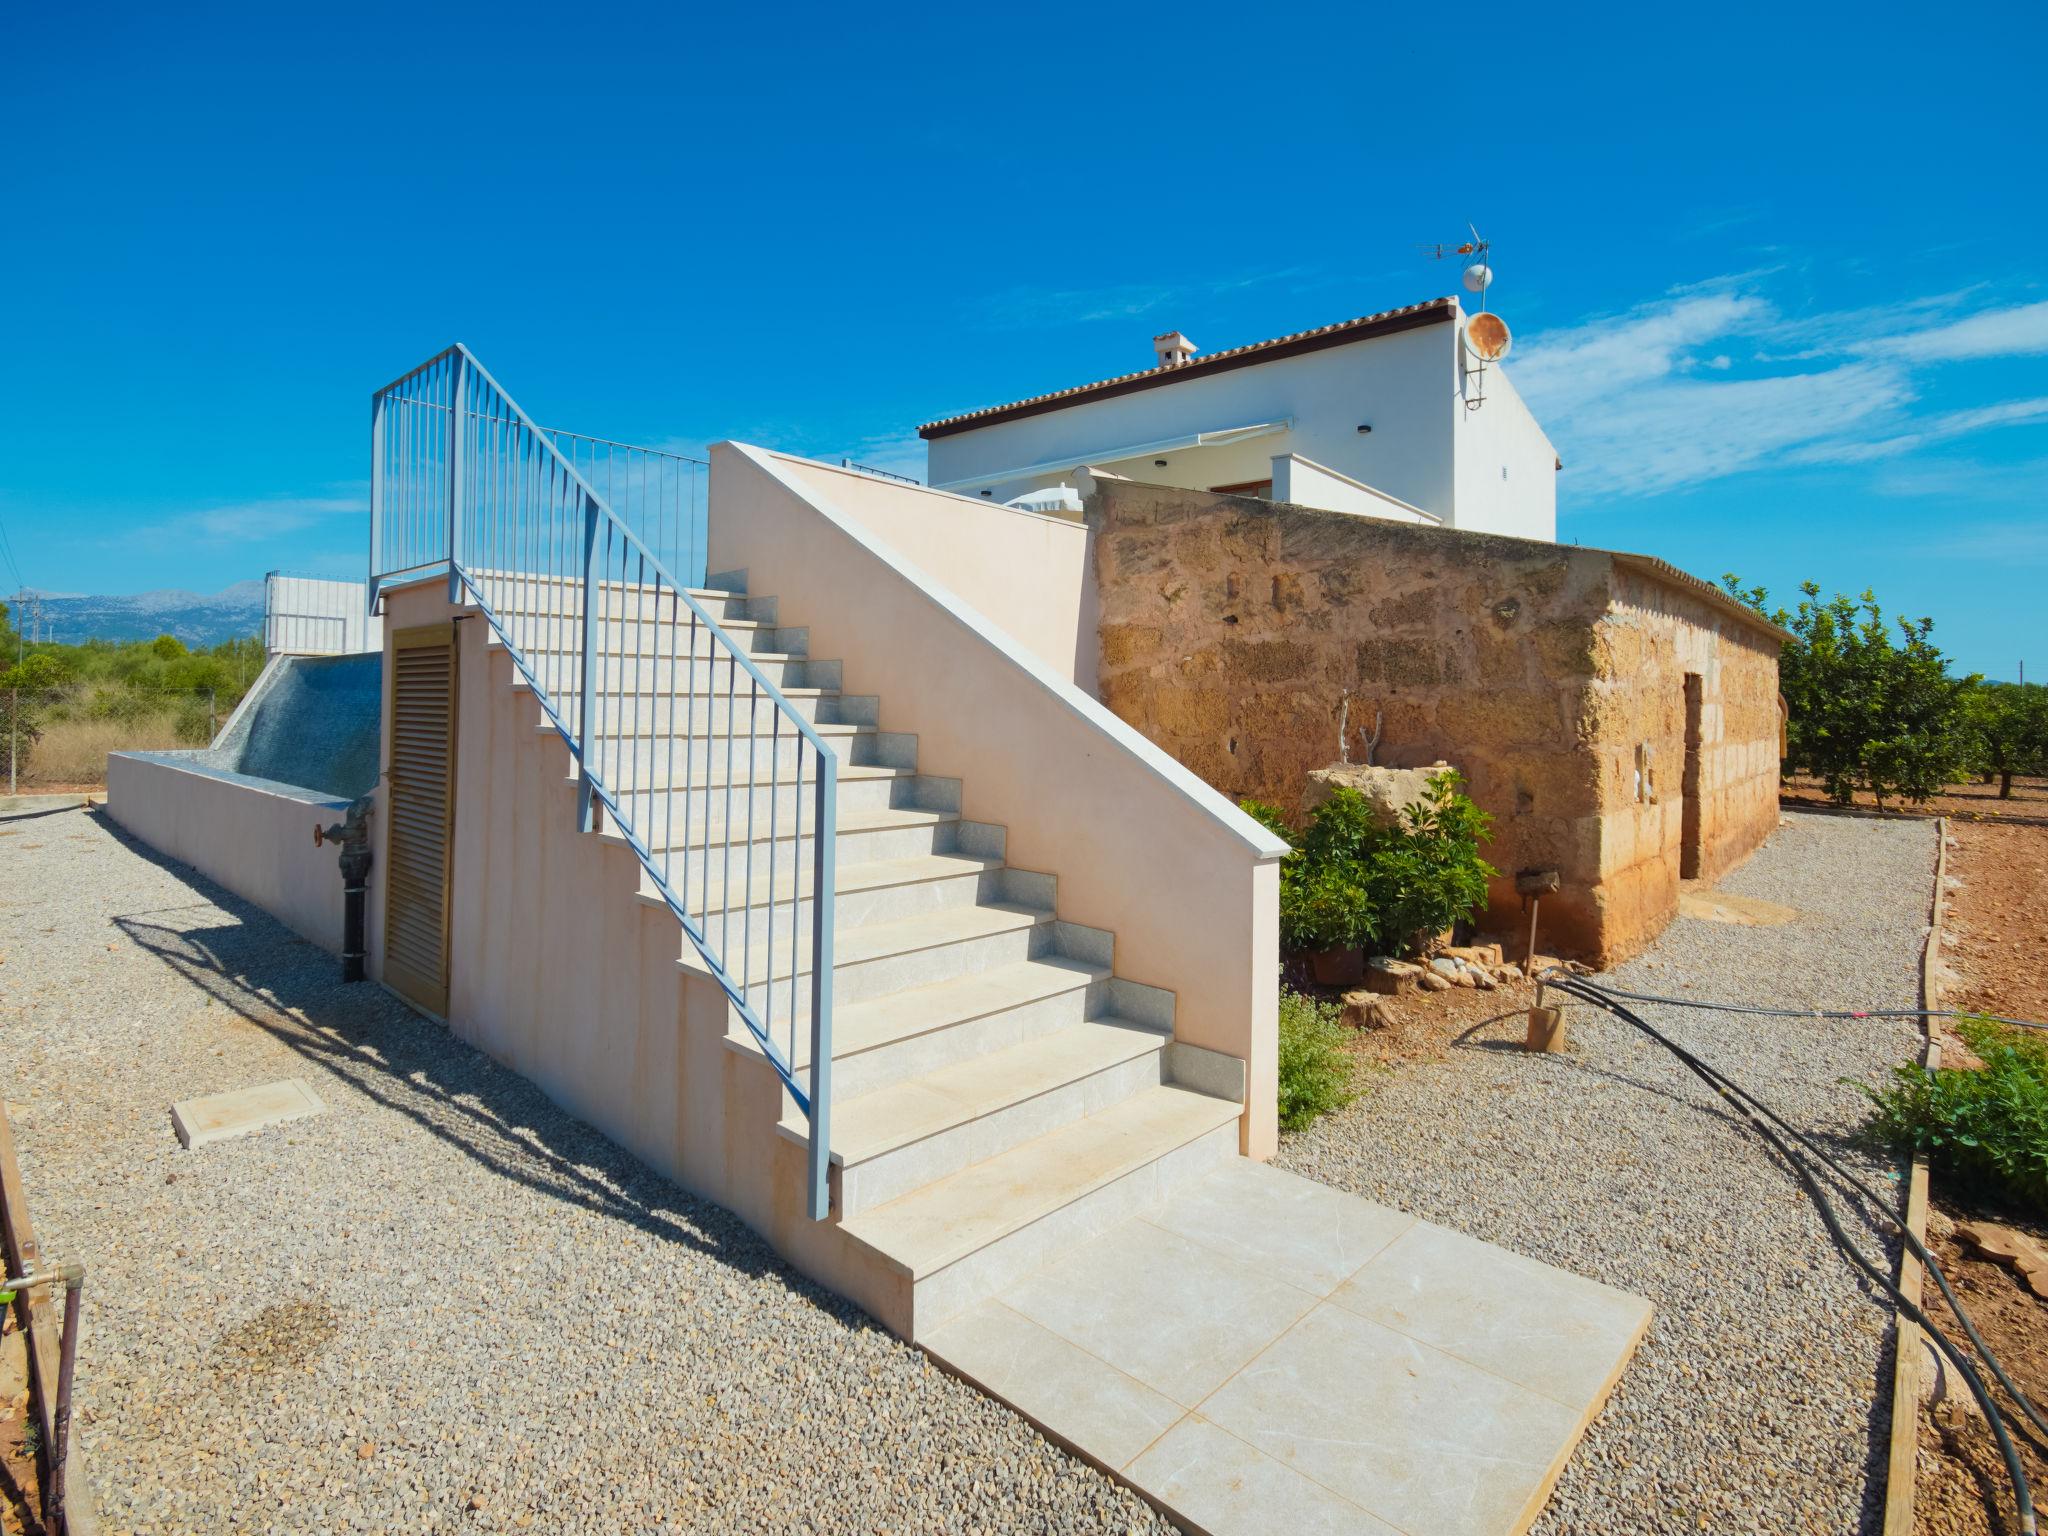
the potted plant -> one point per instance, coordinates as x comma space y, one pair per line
1326, 913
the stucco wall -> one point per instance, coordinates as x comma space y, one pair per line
1027, 571
250, 835
1233, 631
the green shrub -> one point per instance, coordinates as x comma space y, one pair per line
1351, 881
1325, 907
1315, 1069
1985, 1131
1428, 874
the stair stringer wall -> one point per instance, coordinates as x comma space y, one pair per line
560, 973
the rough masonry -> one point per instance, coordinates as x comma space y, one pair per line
1618, 717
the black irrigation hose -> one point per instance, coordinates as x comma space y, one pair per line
1761, 1119
1849, 1179
1824, 1013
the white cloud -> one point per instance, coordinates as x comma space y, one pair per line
2021, 331
238, 522
1658, 399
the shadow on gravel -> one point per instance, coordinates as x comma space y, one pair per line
367, 1037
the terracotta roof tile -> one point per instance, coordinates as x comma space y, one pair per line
1386, 320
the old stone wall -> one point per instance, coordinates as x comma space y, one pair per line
1241, 635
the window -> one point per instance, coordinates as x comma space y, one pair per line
1262, 488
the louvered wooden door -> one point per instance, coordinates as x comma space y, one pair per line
419, 849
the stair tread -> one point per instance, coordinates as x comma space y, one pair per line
790, 691
765, 732
898, 936
895, 1116
762, 779
874, 875
895, 1016
945, 1221
887, 819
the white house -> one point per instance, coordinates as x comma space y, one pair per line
1387, 415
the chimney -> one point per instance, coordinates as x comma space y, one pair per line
1172, 349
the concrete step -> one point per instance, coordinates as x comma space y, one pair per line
906, 1034
547, 631
880, 958
662, 756
864, 837
736, 905
526, 592
893, 1140
559, 670
709, 805
652, 709
965, 1236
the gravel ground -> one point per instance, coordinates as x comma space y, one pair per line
443, 1304
1758, 1401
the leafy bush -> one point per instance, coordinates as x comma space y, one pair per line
1430, 875
1315, 1069
1325, 907
1985, 1130
1351, 880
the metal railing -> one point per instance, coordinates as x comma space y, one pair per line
721, 786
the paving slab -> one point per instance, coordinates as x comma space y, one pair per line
1264, 1354
241, 1111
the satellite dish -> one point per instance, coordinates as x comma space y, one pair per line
1478, 277
1487, 337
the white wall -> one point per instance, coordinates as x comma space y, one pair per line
1307, 484
1424, 449
1506, 467
250, 835
310, 616
1404, 386
1027, 571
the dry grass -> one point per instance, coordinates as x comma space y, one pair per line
73, 753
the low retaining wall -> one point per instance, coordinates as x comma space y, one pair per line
253, 836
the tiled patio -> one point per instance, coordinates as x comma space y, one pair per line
1265, 1354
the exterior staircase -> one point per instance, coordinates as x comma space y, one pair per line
998, 1090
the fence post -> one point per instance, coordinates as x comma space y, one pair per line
376, 497
586, 708
825, 827
458, 389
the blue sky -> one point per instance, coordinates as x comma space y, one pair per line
1775, 274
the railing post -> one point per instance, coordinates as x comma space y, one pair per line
586, 709
376, 493
458, 393
825, 826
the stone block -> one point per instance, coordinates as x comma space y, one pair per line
1389, 791
218, 1116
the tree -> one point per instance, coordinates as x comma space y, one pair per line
1865, 708
2007, 726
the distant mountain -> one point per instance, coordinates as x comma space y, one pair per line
193, 617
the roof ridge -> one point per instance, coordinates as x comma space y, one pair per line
1167, 371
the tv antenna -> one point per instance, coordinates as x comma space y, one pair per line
1485, 335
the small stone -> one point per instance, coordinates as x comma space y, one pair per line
365, 1451
1481, 978
1433, 981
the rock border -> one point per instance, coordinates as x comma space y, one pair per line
1903, 1453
